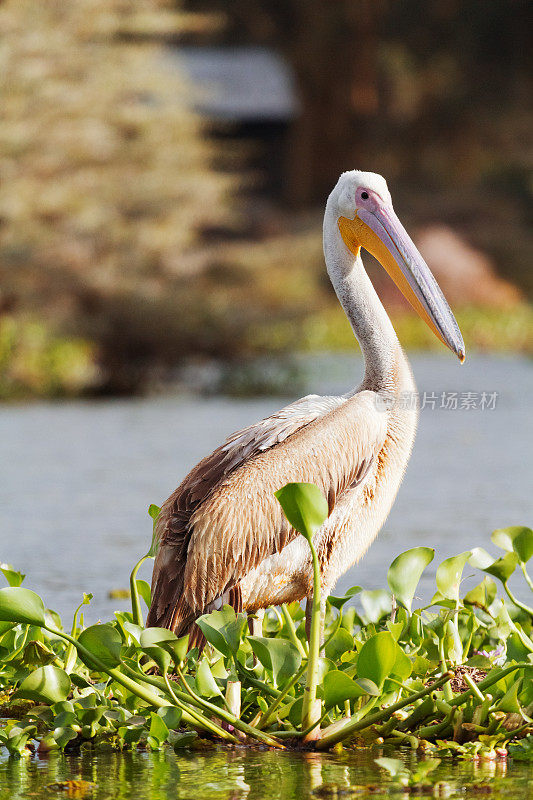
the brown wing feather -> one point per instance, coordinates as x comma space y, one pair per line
224, 519
169, 607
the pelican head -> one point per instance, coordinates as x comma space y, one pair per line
362, 206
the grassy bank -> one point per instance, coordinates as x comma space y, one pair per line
37, 362
484, 330
450, 679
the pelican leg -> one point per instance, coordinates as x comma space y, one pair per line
309, 613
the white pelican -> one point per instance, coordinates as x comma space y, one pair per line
222, 534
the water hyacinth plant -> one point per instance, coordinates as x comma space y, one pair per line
453, 675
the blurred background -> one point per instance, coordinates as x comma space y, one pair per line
164, 167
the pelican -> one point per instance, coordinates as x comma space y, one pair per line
222, 535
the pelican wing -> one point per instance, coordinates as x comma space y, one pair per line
224, 519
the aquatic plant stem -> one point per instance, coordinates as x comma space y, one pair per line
269, 713
404, 738
474, 687
119, 677
516, 601
135, 600
448, 694
311, 708
70, 655
255, 682
460, 699
351, 726
431, 731
292, 630
133, 686
193, 699
301, 734
207, 724
227, 716
526, 575
422, 711
333, 632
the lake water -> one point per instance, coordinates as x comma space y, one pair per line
77, 477
219, 774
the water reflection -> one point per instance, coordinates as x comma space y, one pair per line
227, 775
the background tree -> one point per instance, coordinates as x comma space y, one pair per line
106, 179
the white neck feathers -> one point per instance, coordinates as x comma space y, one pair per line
384, 357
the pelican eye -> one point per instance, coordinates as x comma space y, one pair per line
364, 195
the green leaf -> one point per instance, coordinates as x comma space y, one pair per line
481, 595
13, 577
439, 600
158, 728
405, 572
304, 506
402, 666
421, 666
377, 603
167, 640
16, 740
171, 716
479, 558
223, 629
449, 575
523, 544
205, 683
503, 567
338, 687
452, 642
154, 511
505, 537
130, 735
104, 642
279, 656
63, 735
340, 642
153, 641
396, 628
129, 629
515, 648
36, 654
218, 670
338, 602
368, 687
21, 605
377, 657
45, 685
295, 713
324, 665
145, 591
509, 702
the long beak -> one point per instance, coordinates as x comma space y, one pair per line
381, 233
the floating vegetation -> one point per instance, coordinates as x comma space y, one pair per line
452, 678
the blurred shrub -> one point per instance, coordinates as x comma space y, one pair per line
34, 361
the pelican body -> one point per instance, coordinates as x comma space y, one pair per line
222, 535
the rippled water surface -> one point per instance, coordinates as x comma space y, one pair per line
77, 478
253, 774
